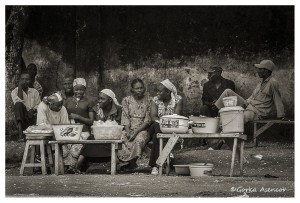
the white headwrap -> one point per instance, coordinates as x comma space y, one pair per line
79, 81
111, 94
53, 98
167, 83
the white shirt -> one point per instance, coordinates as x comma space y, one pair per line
31, 100
46, 115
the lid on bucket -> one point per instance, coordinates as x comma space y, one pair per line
175, 116
231, 108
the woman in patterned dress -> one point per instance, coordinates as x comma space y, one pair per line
136, 119
80, 110
167, 102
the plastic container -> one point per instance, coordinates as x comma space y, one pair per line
201, 169
232, 119
182, 170
230, 101
67, 131
102, 132
204, 124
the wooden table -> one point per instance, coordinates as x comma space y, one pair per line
234, 136
59, 163
267, 125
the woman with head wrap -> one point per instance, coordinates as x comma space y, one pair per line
136, 119
52, 111
167, 102
80, 110
107, 108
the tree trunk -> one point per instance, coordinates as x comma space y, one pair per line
15, 26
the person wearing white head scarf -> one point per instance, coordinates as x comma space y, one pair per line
80, 111
51, 111
167, 102
107, 108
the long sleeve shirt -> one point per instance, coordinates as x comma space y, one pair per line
31, 100
46, 115
266, 98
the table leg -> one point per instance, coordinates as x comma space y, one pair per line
50, 157
233, 156
32, 155
242, 157
56, 159
24, 158
160, 151
113, 159
254, 135
43, 159
168, 165
61, 159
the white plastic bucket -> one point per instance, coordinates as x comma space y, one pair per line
232, 119
201, 169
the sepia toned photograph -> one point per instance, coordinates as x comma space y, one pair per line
139, 101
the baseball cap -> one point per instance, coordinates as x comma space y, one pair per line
214, 69
266, 64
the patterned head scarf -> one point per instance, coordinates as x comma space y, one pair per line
53, 98
167, 83
111, 94
79, 81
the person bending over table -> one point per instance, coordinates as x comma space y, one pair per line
136, 119
80, 110
167, 102
107, 108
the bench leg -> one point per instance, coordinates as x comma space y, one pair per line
24, 158
233, 156
168, 165
56, 165
113, 159
242, 157
160, 151
254, 135
61, 159
50, 157
32, 156
43, 157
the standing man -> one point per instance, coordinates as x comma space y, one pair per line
26, 101
32, 70
212, 90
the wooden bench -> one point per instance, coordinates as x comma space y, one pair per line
59, 163
164, 153
267, 124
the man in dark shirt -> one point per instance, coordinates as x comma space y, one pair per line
211, 92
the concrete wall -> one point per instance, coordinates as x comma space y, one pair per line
110, 46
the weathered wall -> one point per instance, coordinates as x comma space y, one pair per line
110, 46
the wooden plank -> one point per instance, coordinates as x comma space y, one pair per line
113, 159
167, 149
233, 156
56, 163
24, 158
205, 135
33, 165
242, 157
274, 121
263, 129
161, 144
43, 157
85, 141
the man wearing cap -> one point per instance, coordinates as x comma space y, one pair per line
264, 99
211, 92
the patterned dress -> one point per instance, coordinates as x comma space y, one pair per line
134, 114
82, 107
163, 110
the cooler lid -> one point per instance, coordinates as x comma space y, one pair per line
175, 116
231, 108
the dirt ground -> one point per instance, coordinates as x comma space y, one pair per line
273, 176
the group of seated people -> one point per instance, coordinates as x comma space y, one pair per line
138, 113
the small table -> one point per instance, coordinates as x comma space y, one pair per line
59, 163
234, 136
267, 125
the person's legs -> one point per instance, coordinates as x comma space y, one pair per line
227, 93
20, 117
153, 130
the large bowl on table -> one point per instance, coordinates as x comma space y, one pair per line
174, 124
203, 124
67, 131
107, 132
